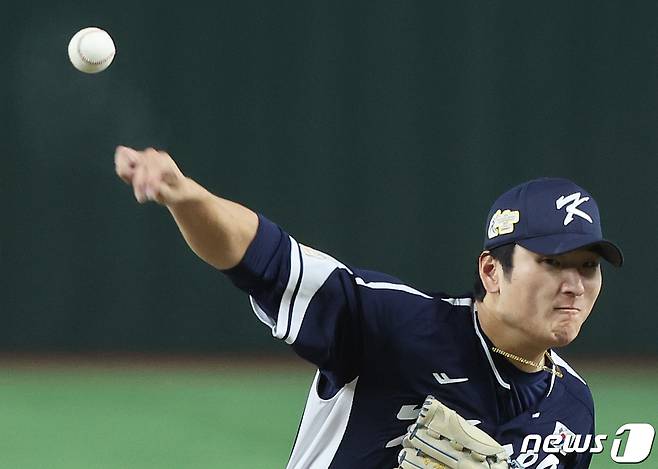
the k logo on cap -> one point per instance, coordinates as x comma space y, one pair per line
572, 209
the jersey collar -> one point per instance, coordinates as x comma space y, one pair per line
487, 352
485, 347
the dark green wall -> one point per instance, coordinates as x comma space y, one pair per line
377, 131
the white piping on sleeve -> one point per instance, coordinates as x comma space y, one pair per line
390, 286
309, 270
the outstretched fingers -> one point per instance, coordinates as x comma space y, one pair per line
152, 174
139, 182
125, 162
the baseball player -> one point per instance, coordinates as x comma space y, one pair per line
407, 378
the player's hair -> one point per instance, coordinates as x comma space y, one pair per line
502, 254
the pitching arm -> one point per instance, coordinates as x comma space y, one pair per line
217, 230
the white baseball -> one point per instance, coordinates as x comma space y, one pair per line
91, 50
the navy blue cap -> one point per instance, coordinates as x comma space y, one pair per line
549, 216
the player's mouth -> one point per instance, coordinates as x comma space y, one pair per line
567, 309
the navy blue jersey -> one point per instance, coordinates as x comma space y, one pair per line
381, 347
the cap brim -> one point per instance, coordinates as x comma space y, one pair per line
561, 243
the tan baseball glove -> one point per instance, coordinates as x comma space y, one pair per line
442, 439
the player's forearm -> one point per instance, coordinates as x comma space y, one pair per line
217, 230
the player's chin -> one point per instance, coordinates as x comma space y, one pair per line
564, 334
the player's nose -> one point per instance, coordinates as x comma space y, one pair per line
572, 282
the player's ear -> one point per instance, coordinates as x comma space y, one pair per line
489, 269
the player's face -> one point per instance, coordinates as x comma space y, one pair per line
550, 297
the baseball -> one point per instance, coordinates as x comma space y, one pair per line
91, 50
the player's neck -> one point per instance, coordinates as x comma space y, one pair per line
509, 339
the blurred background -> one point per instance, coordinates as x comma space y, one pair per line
379, 132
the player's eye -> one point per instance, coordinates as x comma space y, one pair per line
591, 264
551, 261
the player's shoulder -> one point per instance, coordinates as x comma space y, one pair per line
396, 293
378, 282
574, 384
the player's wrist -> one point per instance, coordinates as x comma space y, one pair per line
188, 193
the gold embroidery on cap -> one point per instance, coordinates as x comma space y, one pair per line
502, 222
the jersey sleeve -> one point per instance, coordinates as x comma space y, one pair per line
327, 311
